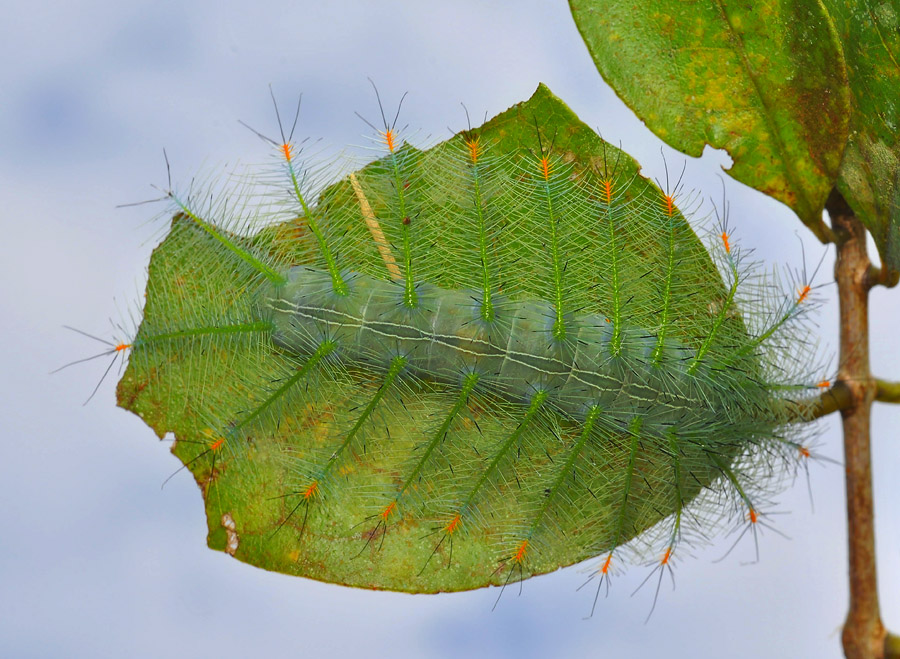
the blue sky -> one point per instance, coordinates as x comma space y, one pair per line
97, 561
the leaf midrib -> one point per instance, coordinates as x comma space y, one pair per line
766, 112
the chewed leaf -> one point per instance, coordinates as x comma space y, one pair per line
870, 170
765, 81
483, 361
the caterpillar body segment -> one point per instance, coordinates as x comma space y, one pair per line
508, 352
516, 354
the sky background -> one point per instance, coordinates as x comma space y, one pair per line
96, 560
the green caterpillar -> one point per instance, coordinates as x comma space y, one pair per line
486, 360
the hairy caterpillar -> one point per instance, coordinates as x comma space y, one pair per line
483, 361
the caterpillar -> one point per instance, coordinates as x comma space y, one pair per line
459, 366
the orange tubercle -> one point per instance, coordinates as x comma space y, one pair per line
606, 563
753, 516
804, 452
389, 139
453, 524
474, 149
607, 190
310, 491
803, 293
122, 346
520, 552
388, 510
824, 384
545, 168
670, 204
666, 556
726, 243
216, 445
287, 149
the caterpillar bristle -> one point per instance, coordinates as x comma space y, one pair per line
469, 364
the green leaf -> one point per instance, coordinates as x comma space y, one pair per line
870, 172
332, 453
766, 81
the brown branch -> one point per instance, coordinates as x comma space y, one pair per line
836, 399
837, 206
864, 634
831, 400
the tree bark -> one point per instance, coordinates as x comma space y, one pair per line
864, 635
